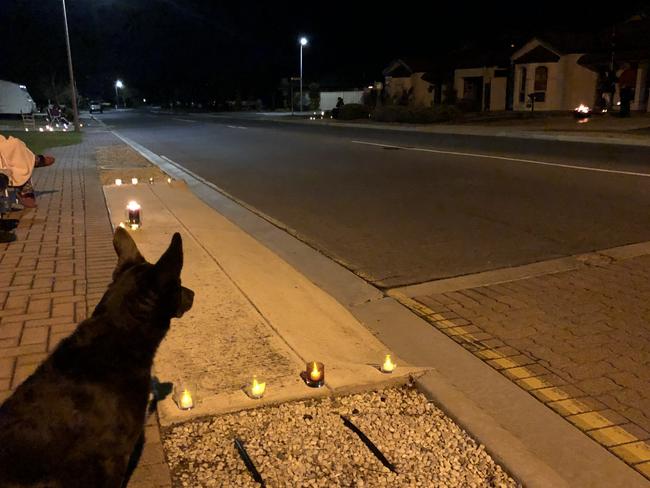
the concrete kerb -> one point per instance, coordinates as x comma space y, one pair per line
495, 410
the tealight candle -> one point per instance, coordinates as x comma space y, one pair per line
314, 374
186, 402
151, 180
134, 217
169, 180
134, 181
388, 366
118, 181
257, 388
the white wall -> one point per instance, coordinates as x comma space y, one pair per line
328, 99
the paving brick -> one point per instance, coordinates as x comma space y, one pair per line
7, 367
633, 453
11, 331
613, 436
34, 335
22, 373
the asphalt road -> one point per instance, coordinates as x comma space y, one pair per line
401, 208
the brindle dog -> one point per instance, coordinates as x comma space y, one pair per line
76, 421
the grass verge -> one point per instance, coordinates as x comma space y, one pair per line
38, 142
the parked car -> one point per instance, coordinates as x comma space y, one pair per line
96, 107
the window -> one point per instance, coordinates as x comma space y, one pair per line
541, 78
522, 86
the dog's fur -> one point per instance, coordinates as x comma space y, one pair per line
78, 418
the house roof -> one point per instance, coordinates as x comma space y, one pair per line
403, 67
538, 54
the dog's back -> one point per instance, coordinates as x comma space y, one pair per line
77, 419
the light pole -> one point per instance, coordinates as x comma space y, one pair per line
118, 84
73, 91
303, 43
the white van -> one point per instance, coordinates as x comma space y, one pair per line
15, 99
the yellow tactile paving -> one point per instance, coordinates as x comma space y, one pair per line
569, 407
612, 436
589, 421
533, 383
518, 373
488, 354
637, 452
643, 468
502, 363
552, 394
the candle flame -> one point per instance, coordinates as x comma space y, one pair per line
257, 389
315, 373
133, 205
388, 366
134, 181
118, 181
186, 400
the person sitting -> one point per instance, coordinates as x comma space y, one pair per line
18, 163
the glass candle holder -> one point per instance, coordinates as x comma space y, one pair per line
256, 388
184, 395
388, 366
118, 181
134, 215
314, 374
134, 181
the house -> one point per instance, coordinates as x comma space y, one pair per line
548, 76
561, 71
482, 78
412, 81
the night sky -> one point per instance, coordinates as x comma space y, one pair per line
202, 50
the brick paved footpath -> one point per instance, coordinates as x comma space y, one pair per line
578, 340
57, 270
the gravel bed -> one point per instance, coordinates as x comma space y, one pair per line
305, 444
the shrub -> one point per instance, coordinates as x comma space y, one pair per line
393, 113
352, 111
420, 115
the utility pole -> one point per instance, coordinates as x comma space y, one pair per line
73, 89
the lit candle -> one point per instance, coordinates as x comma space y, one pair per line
257, 388
169, 180
118, 181
134, 181
314, 374
388, 366
133, 213
151, 180
186, 401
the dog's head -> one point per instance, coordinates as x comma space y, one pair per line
145, 290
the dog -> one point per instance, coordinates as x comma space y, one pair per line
77, 420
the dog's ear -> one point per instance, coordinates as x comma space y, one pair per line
170, 263
127, 251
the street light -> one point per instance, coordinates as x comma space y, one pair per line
118, 84
73, 91
303, 43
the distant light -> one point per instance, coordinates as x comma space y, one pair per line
40, 129
119, 84
583, 109
26, 129
144, 100
370, 87
23, 87
618, 104
303, 41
